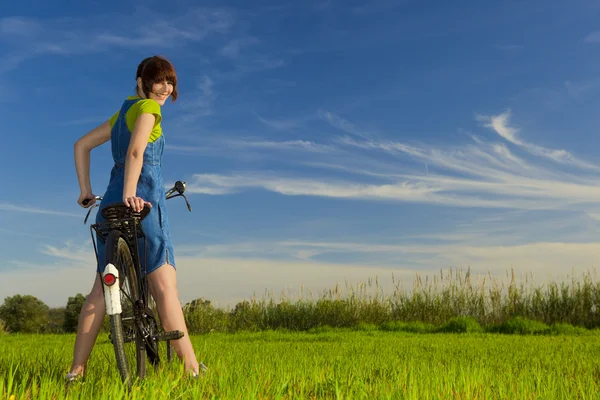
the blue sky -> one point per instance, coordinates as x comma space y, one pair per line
321, 141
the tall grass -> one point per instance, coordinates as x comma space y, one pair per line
339, 364
438, 300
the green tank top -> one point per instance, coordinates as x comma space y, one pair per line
141, 106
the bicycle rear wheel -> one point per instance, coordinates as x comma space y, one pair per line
126, 327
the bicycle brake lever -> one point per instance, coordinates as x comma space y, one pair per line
187, 203
88, 213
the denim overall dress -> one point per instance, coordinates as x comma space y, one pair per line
150, 187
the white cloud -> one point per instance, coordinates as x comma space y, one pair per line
72, 253
579, 89
499, 123
518, 193
593, 37
313, 187
19, 26
479, 174
239, 148
343, 124
594, 215
35, 210
280, 124
236, 46
202, 104
64, 36
296, 145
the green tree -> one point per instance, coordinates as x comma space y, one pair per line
56, 320
74, 305
25, 314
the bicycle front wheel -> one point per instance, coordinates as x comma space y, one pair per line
125, 327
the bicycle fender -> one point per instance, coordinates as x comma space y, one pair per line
112, 297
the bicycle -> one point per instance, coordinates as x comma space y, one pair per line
126, 293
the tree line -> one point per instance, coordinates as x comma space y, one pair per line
28, 314
485, 300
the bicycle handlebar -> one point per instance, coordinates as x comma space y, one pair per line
86, 201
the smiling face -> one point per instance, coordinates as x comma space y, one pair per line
157, 80
160, 91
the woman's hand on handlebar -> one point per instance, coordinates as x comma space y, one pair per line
86, 199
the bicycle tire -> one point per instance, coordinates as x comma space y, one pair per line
119, 255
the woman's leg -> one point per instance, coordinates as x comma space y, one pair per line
90, 322
163, 286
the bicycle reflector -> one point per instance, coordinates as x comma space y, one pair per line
109, 279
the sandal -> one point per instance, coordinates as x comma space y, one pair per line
203, 369
71, 378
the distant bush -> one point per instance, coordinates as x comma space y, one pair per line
461, 325
522, 326
202, 317
365, 327
568, 329
411, 327
56, 319
24, 314
72, 311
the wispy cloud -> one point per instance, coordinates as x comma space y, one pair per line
480, 174
34, 37
511, 47
14, 232
343, 124
201, 103
593, 37
595, 215
19, 26
250, 64
34, 210
524, 194
295, 145
280, 124
238, 147
499, 123
580, 89
83, 121
77, 254
236, 46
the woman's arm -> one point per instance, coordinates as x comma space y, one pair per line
82, 149
135, 159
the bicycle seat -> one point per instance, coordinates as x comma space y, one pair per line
118, 211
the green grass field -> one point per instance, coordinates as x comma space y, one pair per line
327, 364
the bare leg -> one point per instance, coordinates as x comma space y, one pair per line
163, 287
90, 322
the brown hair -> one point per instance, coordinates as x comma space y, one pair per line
156, 69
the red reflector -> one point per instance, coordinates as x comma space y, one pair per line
109, 279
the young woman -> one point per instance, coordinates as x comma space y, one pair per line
136, 179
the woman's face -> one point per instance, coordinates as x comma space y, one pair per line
161, 91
